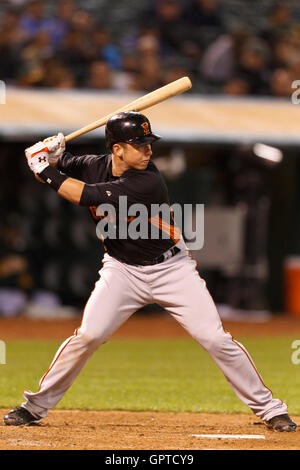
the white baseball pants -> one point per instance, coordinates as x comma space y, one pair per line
175, 285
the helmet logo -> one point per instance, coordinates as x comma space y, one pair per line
145, 126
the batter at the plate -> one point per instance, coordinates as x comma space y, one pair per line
136, 272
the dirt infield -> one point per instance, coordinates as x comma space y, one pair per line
95, 430
121, 430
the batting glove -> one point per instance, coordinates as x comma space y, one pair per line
56, 146
37, 157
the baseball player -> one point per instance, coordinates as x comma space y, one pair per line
138, 271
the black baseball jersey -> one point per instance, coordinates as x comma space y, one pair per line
145, 187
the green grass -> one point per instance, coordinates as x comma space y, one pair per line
160, 375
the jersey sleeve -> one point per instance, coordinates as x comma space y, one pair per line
78, 167
137, 186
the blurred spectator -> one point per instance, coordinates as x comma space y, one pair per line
148, 43
76, 54
236, 86
100, 76
59, 25
33, 19
253, 66
126, 78
279, 22
204, 21
67, 44
56, 75
219, 60
149, 76
104, 49
166, 17
204, 13
16, 281
174, 72
285, 52
38, 48
280, 83
9, 24
83, 22
10, 42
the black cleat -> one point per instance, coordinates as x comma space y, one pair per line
282, 423
20, 417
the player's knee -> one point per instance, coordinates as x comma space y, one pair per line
215, 343
89, 341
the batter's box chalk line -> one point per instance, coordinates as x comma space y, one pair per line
230, 436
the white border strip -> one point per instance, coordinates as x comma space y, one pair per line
230, 436
33, 131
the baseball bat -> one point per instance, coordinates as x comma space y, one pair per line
157, 96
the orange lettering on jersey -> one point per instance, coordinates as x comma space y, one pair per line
171, 230
93, 211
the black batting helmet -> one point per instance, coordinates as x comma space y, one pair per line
130, 127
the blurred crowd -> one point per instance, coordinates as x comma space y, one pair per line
62, 44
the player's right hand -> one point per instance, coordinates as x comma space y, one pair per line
56, 146
37, 157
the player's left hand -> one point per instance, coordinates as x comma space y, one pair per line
37, 157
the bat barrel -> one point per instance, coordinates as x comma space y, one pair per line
157, 96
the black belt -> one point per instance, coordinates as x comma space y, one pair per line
168, 254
